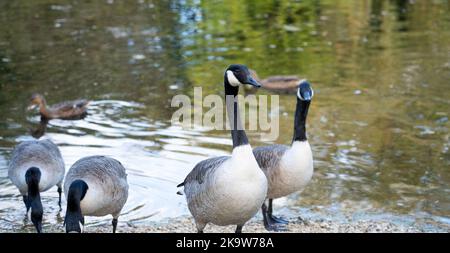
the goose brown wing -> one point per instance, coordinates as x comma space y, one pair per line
203, 168
268, 157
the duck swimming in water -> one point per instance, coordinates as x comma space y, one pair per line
76, 109
282, 84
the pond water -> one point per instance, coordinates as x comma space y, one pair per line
378, 124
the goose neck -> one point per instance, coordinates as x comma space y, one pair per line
301, 114
74, 216
238, 134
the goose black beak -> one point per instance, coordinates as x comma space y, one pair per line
38, 226
36, 218
307, 96
253, 82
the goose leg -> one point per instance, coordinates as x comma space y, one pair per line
59, 192
239, 229
200, 226
114, 223
274, 218
269, 223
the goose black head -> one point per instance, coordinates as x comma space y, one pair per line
305, 91
74, 219
238, 74
32, 178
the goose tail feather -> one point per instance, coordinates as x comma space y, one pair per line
180, 191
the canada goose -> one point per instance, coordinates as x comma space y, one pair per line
35, 167
283, 84
94, 186
65, 110
228, 190
288, 169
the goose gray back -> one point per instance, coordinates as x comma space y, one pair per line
94, 186
288, 168
228, 190
36, 166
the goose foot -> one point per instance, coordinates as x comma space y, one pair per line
238, 229
277, 219
274, 218
270, 223
275, 227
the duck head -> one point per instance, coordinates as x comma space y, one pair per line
36, 100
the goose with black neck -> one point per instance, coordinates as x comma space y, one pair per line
288, 168
35, 167
228, 190
94, 186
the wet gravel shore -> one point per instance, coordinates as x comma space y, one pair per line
186, 225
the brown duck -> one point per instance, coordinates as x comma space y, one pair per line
277, 84
66, 110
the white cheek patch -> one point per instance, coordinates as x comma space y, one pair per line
299, 95
298, 90
232, 79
